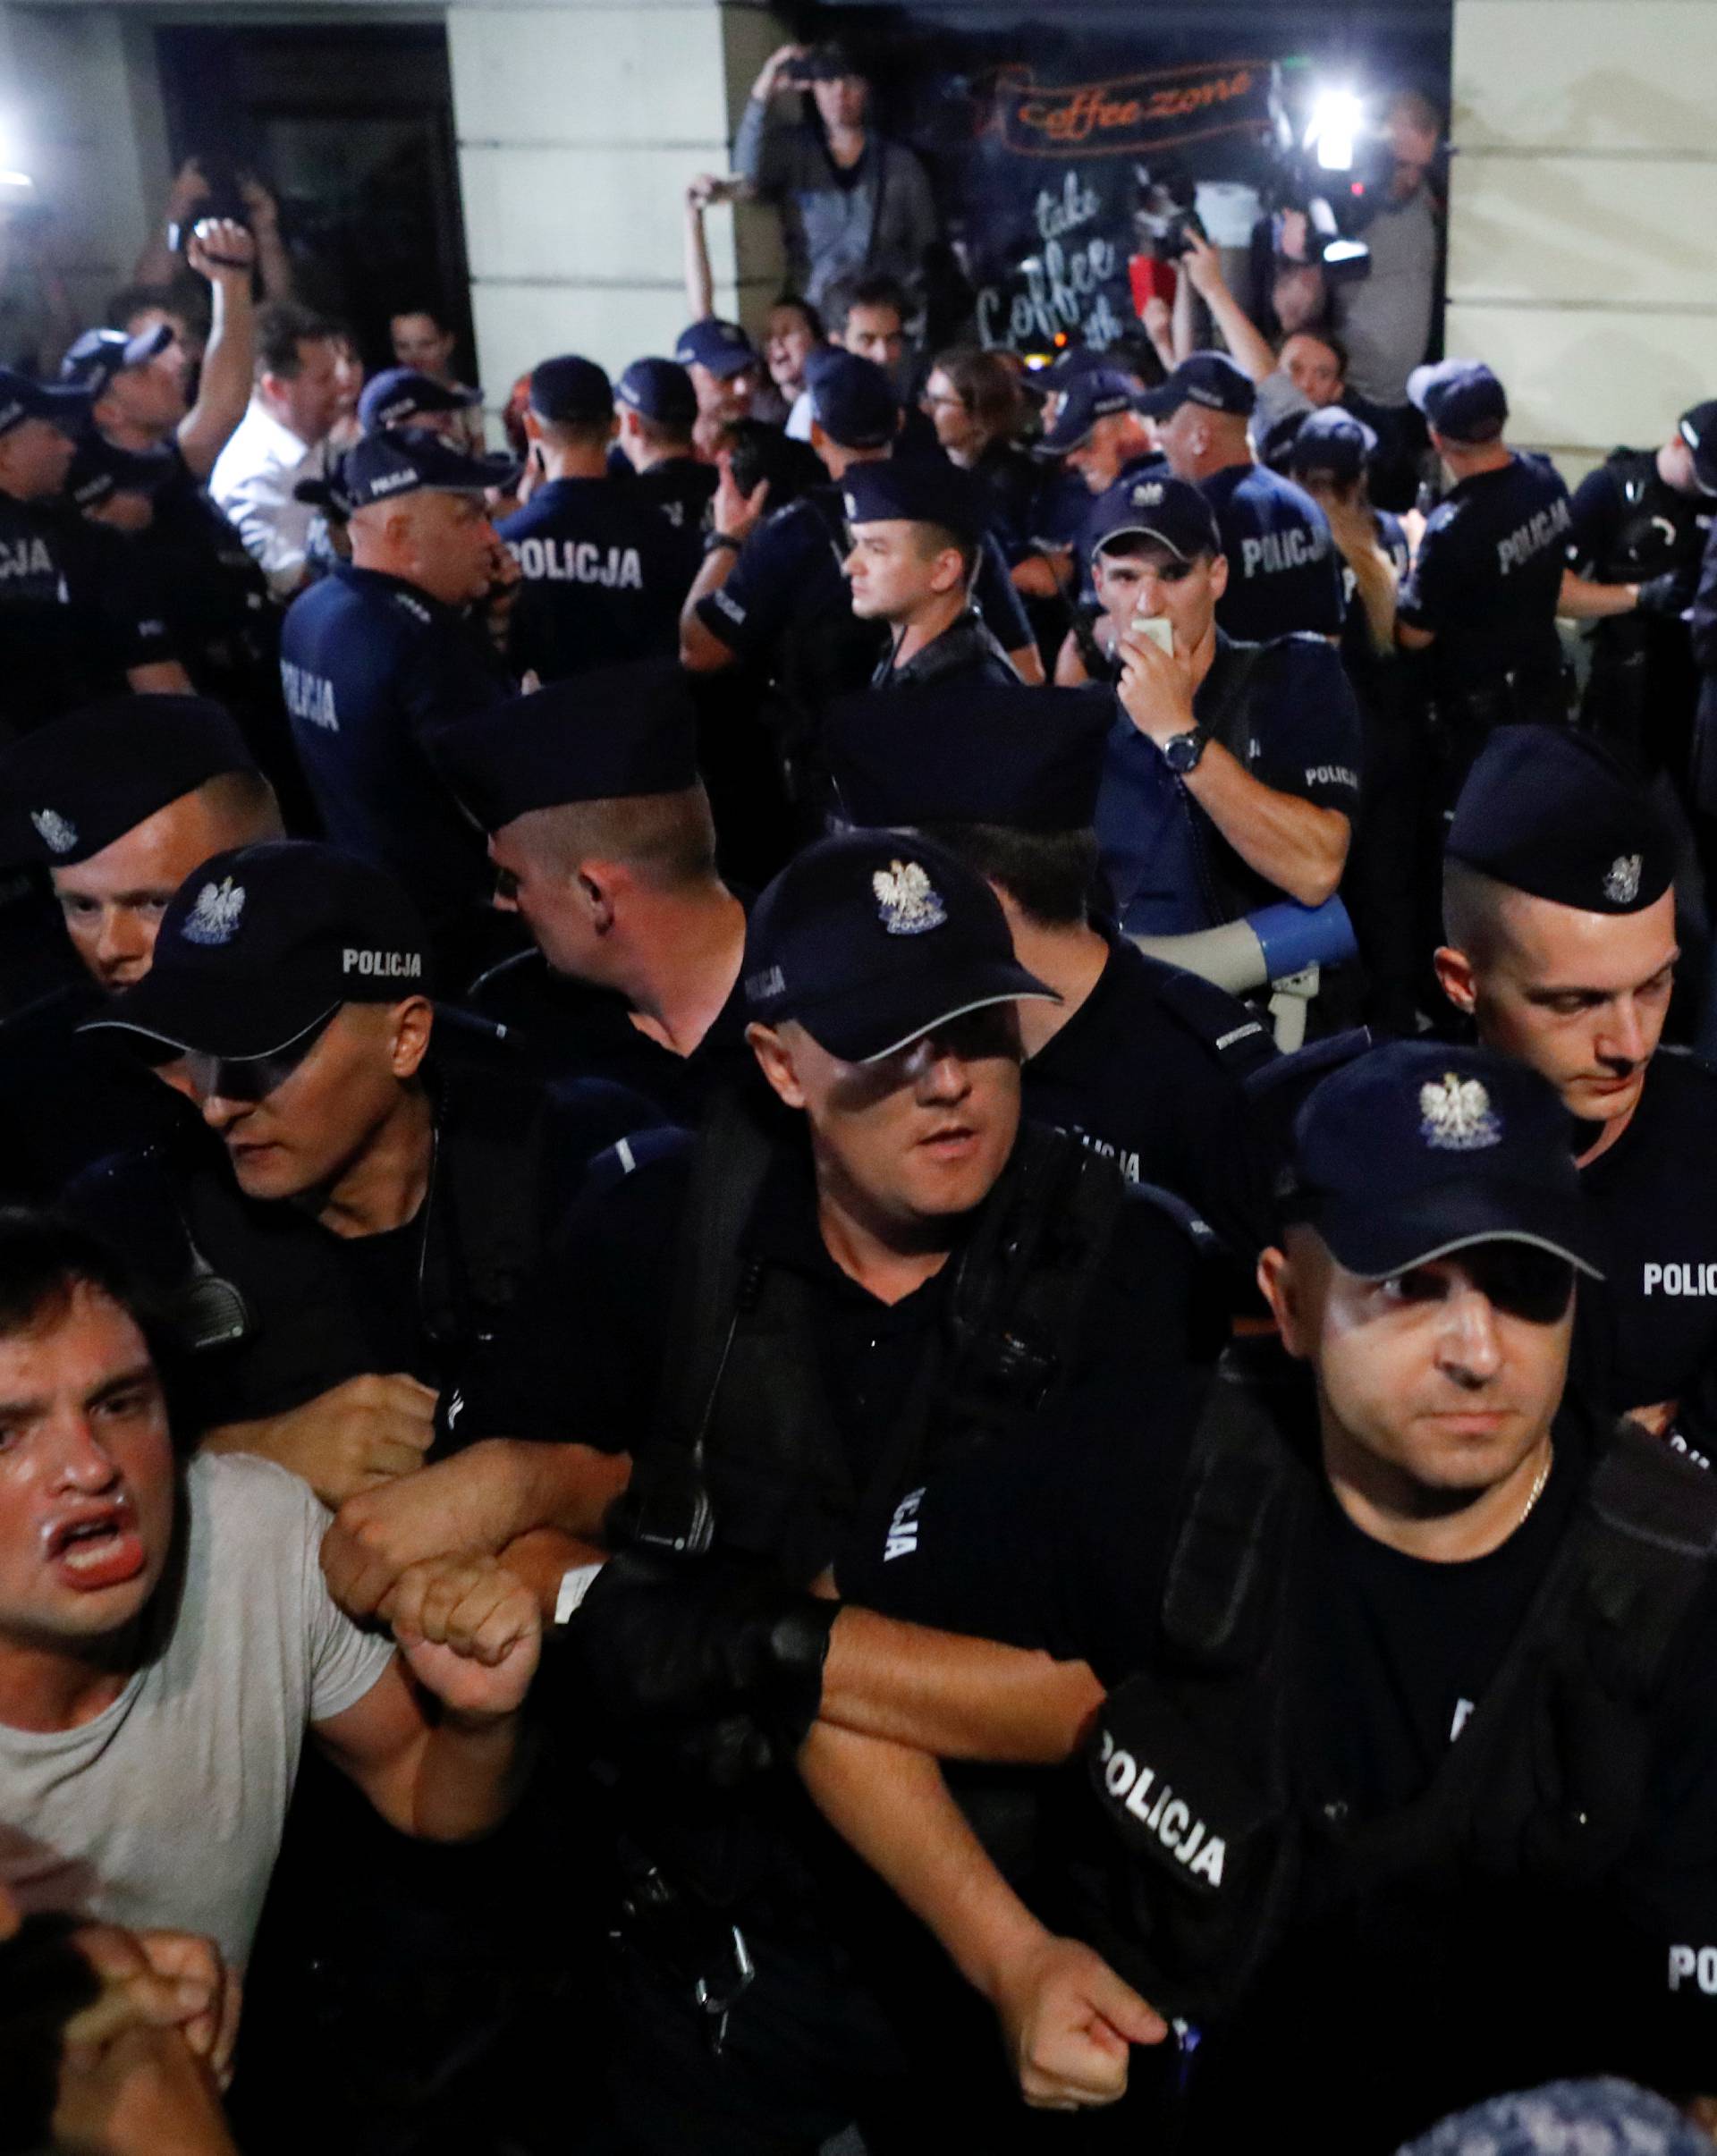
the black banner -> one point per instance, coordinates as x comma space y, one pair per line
1130, 116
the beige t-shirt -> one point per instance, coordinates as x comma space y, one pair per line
167, 1810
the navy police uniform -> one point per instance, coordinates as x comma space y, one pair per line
1418, 1875
680, 486
938, 495
1284, 571
603, 573
370, 665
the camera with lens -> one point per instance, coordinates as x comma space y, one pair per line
224, 199
1165, 211
1335, 222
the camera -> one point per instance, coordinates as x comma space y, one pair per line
1165, 211
223, 199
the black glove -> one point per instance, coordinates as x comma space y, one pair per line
711, 1657
1670, 594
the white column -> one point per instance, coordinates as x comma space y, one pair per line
1583, 234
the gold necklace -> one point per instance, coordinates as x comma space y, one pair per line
1537, 1490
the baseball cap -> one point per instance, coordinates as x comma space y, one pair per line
571, 392
1173, 511
1460, 398
852, 399
70, 788
598, 736
1552, 814
99, 354
263, 943
1209, 378
1332, 441
721, 347
658, 389
1030, 759
1697, 428
63, 405
870, 940
409, 460
101, 469
1091, 394
399, 394
923, 491
1416, 1149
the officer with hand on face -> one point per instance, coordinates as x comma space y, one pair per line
1231, 778
602, 843
381, 652
1643, 517
877, 1265
117, 803
1143, 1062
657, 408
1560, 944
1385, 1673
918, 538
602, 572
1283, 573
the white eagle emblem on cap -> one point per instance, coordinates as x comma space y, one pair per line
907, 900
214, 916
1455, 1116
1147, 494
1621, 884
55, 832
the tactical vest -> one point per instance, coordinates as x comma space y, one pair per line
743, 1416
1212, 1842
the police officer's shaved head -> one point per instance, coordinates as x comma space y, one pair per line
667, 840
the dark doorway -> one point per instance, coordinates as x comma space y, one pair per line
351, 129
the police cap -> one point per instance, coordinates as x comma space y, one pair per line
852, 399
399, 394
1697, 428
870, 940
1092, 393
70, 788
571, 392
63, 405
327, 491
1030, 759
658, 389
921, 491
262, 944
598, 736
410, 459
1156, 506
1551, 813
1332, 440
723, 347
1209, 378
1462, 399
99, 355
101, 469
1415, 1149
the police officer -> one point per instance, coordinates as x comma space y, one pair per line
380, 652
1490, 575
917, 533
878, 1264
1283, 574
1560, 944
1642, 517
773, 589
600, 834
1232, 777
724, 369
117, 804
405, 396
75, 623
1097, 442
602, 573
1436, 1553
657, 408
1144, 1062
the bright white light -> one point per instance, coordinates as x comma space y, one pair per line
12, 173
1337, 117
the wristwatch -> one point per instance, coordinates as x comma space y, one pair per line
1182, 751
722, 538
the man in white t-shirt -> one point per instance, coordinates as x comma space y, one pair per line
166, 1639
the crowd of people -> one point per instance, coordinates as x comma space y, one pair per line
856, 1282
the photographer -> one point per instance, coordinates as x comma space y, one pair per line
852, 204
1386, 319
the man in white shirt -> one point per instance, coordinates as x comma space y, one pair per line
279, 440
166, 1639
